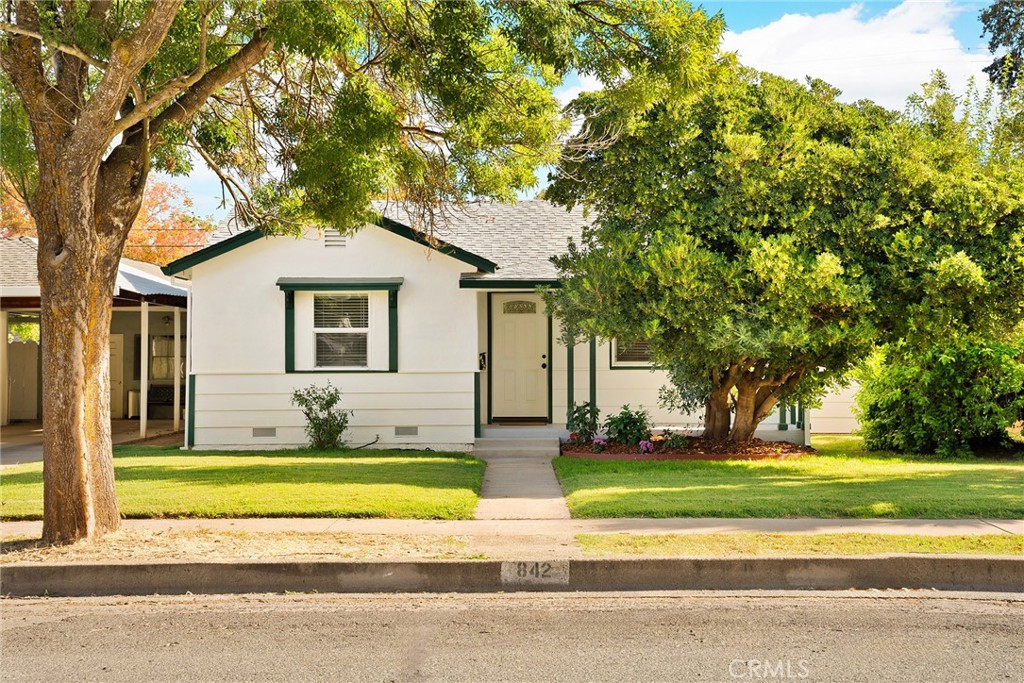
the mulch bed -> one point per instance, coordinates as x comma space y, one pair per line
698, 449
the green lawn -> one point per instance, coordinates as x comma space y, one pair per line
842, 481
164, 482
749, 544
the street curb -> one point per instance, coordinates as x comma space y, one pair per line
942, 572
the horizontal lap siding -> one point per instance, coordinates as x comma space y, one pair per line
835, 416
227, 410
238, 358
637, 387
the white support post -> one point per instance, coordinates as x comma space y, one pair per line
177, 368
144, 374
4, 404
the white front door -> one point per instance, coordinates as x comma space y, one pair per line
116, 376
519, 375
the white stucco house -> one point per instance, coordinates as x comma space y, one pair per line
435, 343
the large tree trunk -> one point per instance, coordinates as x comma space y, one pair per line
756, 398
716, 415
78, 469
745, 424
83, 215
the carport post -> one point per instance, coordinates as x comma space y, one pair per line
144, 370
4, 411
177, 367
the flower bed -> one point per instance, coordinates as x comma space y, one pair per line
695, 449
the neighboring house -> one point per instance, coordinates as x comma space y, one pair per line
148, 313
432, 346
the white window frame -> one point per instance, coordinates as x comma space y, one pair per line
368, 330
626, 364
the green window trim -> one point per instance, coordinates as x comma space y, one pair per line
288, 286
324, 284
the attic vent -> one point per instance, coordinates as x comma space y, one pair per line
264, 432
333, 238
407, 431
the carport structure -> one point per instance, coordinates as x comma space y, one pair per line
148, 314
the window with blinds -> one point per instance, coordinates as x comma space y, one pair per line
341, 330
637, 353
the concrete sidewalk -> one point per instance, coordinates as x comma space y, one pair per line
556, 527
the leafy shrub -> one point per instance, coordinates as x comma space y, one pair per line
325, 422
628, 426
951, 400
583, 421
675, 440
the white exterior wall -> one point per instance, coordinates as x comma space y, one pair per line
835, 416
635, 387
238, 344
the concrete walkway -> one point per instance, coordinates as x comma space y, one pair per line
520, 487
521, 511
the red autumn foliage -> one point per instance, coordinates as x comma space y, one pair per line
166, 228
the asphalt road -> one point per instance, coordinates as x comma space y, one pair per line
849, 636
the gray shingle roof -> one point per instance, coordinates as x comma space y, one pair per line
18, 262
18, 269
521, 238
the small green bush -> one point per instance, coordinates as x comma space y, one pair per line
325, 422
628, 426
951, 400
675, 440
584, 421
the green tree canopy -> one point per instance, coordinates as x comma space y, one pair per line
1003, 21
306, 111
763, 236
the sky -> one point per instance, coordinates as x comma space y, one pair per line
881, 50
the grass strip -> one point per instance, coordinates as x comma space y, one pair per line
773, 545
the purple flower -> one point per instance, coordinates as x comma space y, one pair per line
600, 442
646, 447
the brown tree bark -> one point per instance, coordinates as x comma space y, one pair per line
717, 415
756, 398
83, 211
78, 471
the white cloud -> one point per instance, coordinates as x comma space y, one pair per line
884, 58
568, 92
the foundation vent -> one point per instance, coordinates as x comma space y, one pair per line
264, 432
333, 238
407, 431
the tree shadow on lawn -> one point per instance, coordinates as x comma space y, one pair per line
767, 490
130, 451
437, 475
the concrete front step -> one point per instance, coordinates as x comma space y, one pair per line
535, 447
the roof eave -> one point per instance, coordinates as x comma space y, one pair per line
483, 264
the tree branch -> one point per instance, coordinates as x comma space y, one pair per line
22, 60
66, 49
190, 101
128, 55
